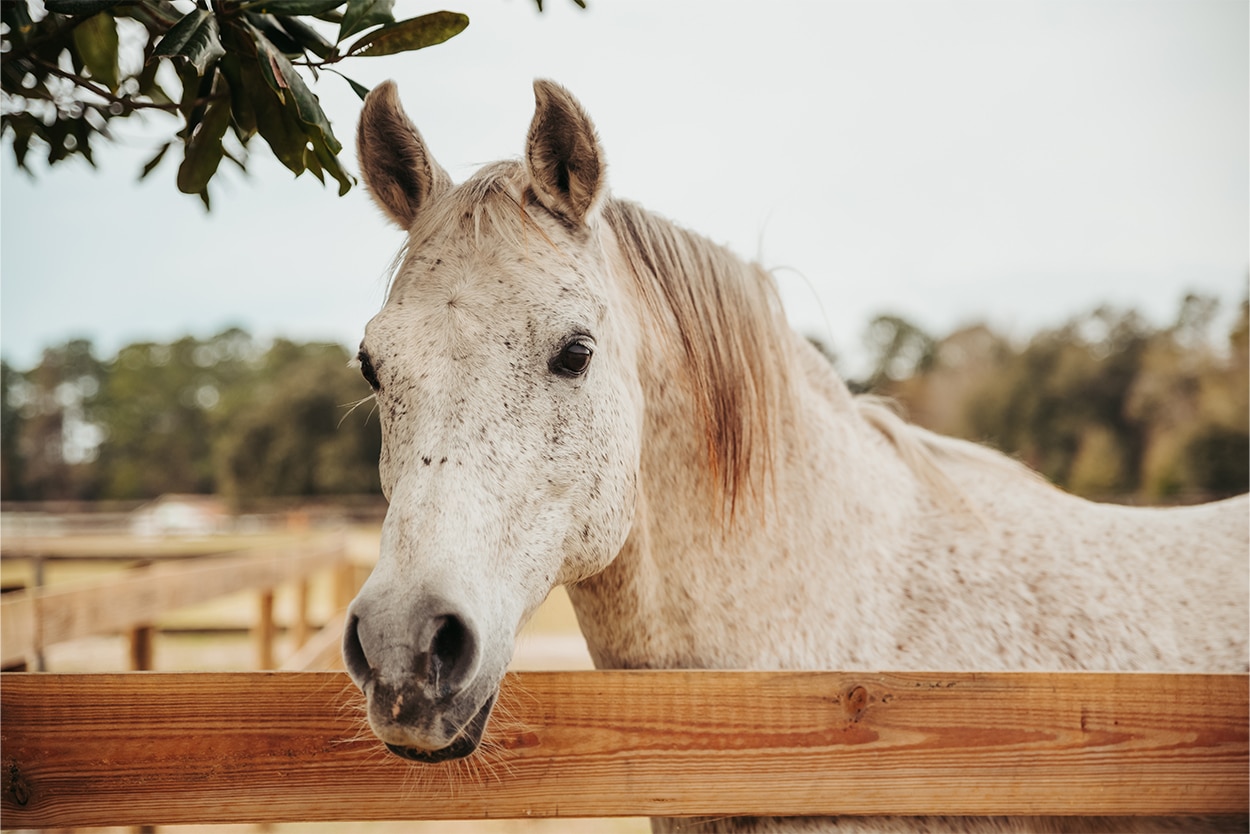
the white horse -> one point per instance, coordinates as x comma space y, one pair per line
575, 391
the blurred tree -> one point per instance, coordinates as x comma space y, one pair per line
898, 349
298, 433
957, 366
155, 408
224, 414
1105, 406
1217, 460
72, 67
12, 476
49, 444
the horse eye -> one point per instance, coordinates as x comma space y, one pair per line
366, 370
573, 360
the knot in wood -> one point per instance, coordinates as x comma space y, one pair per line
856, 702
17, 789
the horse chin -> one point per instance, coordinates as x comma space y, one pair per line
464, 744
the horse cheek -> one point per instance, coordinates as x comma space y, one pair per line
605, 512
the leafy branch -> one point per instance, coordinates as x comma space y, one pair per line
67, 75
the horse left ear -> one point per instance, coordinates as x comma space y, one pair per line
401, 174
563, 156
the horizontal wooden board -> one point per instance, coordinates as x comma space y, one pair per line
123, 749
127, 547
40, 617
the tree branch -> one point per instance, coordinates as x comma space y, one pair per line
108, 95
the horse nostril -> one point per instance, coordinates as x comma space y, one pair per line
354, 653
452, 651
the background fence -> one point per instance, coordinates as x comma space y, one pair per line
131, 601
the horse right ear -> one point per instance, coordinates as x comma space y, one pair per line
399, 171
563, 156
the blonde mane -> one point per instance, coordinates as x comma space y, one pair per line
922, 451
728, 320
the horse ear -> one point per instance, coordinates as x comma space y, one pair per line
563, 156
399, 171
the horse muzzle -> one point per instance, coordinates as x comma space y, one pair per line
428, 696
463, 744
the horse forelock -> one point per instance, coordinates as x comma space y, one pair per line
725, 316
490, 203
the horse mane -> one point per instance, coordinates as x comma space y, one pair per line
922, 452
726, 316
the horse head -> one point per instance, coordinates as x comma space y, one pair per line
504, 371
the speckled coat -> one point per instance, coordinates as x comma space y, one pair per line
575, 391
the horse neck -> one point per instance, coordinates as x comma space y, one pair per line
700, 583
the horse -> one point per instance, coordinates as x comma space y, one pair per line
575, 391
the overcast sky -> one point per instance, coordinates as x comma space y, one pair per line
1014, 162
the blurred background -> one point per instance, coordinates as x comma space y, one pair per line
1027, 222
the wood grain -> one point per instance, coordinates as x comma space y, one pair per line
36, 618
125, 749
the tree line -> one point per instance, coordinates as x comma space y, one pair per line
227, 415
1107, 406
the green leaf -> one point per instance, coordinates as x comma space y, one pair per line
193, 87
195, 39
267, 60
17, 16
241, 163
309, 108
204, 150
82, 131
358, 88
330, 163
79, 7
406, 35
306, 36
276, 34
154, 161
282, 76
277, 124
313, 165
240, 102
24, 126
55, 135
361, 14
148, 86
281, 130
289, 7
96, 40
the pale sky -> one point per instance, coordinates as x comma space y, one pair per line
1015, 162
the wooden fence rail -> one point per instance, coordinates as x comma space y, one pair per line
35, 618
124, 749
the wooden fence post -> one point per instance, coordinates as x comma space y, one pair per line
265, 631
302, 629
345, 586
141, 640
